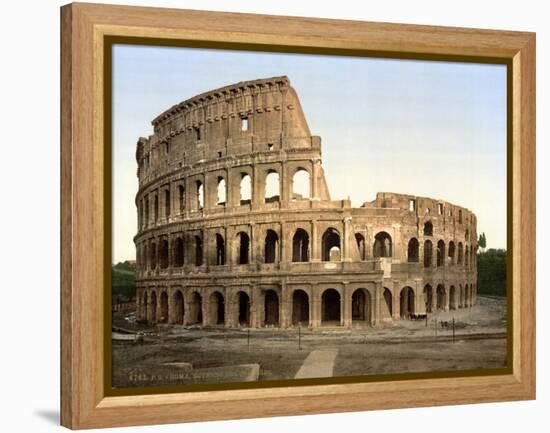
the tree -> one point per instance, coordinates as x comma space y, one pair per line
491, 272
482, 242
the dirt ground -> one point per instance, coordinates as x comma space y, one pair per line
176, 355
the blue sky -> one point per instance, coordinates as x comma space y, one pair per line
435, 129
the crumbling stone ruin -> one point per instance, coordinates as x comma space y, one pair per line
225, 239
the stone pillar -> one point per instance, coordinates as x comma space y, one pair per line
345, 241
315, 242
377, 308
315, 305
396, 300
258, 188
285, 182
345, 307
314, 189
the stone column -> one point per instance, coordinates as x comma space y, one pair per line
285, 182
285, 307
315, 306
377, 308
314, 189
315, 242
396, 300
345, 240
345, 308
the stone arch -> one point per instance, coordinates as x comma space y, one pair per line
163, 307
271, 308
195, 309
245, 188
179, 252
413, 250
428, 298
467, 296
167, 203
243, 248
440, 253
451, 253
163, 253
452, 298
300, 307
428, 246
220, 250
243, 308
300, 246
331, 245
153, 317
217, 308
461, 296
153, 254
382, 245
331, 306
428, 228
441, 301
360, 239
179, 308
181, 197
406, 302
388, 302
271, 247
467, 257
361, 306
301, 184
199, 195
156, 208
145, 260
221, 192
145, 306
198, 251
272, 187
460, 254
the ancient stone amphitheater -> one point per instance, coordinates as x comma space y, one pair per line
237, 226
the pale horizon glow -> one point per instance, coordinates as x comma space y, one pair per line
431, 129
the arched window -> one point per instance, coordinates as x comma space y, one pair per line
220, 250
271, 250
243, 248
246, 189
412, 250
163, 253
200, 195
272, 187
382, 245
198, 251
221, 191
359, 238
301, 185
428, 228
331, 245
167, 204
156, 208
467, 257
181, 197
330, 306
146, 222
428, 254
451, 254
441, 253
460, 253
300, 308
178, 252
153, 255
300, 246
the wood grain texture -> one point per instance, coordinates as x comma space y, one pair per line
83, 401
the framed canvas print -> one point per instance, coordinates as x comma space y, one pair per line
265, 215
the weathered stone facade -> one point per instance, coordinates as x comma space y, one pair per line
225, 240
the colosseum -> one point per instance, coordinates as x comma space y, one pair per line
226, 238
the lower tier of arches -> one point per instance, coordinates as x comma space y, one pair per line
308, 305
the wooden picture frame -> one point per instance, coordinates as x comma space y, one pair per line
85, 220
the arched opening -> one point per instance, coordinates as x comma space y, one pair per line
145, 263
382, 245
272, 187
467, 296
244, 309
153, 306
271, 308
220, 250
163, 253
301, 186
300, 246
200, 195
217, 309
330, 306
167, 204
460, 254
361, 306
461, 296
441, 297
360, 239
178, 252
388, 302
245, 189
406, 299
198, 251
156, 208
467, 257
179, 309
412, 250
153, 255
452, 298
428, 298
181, 197
331, 245
163, 308
145, 306
243, 248
427, 254
428, 228
440, 253
195, 309
271, 249
451, 254
222, 191
300, 308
